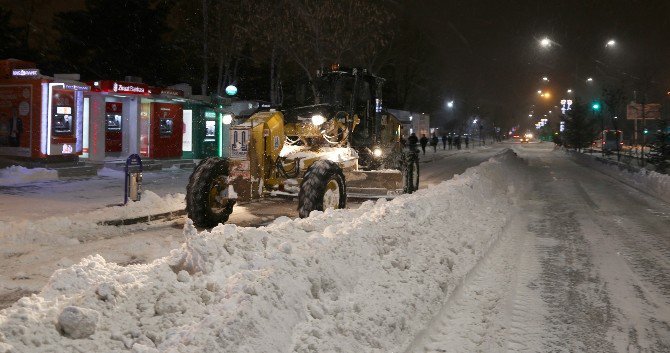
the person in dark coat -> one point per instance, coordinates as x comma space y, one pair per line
450, 140
433, 142
412, 141
457, 141
444, 141
15, 129
467, 141
424, 142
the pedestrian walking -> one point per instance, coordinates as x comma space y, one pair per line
444, 141
412, 140
424, 142
433, 142
450, 140
457, 141
467, 141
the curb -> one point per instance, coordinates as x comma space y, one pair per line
142, 219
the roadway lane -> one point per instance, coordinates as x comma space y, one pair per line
583, 267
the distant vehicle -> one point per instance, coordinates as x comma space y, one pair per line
612, 140
526, 138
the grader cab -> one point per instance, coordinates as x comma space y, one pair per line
345, 145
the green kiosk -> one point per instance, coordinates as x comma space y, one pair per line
205, 134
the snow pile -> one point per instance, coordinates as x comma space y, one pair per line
651, 182
16, 175
363, 280
77, 226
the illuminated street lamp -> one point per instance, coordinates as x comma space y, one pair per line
589, 80
450, 104
569, 91
539, 92
610, 43
545, 79
545, 42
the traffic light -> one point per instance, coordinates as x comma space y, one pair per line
595, 106
646, 131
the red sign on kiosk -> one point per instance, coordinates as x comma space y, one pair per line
120, 87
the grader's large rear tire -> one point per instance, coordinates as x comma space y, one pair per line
322, 187
411, 173
207, 202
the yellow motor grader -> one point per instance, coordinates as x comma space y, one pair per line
347, 145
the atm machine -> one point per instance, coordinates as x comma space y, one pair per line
210, 146
166, 130
65, 109
113, 127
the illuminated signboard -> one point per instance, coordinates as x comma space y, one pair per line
76, 87
566, 104
25, 72
63, 110
121, 88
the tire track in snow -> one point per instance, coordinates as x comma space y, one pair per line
477, 317
634, 252
579, 313
526, 310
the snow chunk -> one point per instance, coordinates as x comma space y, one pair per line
78, 322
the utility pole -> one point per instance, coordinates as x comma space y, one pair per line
644, 127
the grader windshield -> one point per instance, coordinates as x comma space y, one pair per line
356, 94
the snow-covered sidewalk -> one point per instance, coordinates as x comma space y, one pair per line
33, 195
645, 180
360, 280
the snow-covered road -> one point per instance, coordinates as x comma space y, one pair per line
585, 267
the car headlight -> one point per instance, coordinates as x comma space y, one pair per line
227, 119
377, 152
318, 119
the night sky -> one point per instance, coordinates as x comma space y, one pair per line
490, 48
487, 51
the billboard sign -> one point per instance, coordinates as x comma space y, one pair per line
651, 111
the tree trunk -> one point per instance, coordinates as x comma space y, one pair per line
273, 92
204, 48
219, 81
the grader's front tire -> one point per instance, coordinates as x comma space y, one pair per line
322, 187
207, 202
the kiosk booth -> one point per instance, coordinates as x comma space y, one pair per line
41, 117
205, 134
125, 118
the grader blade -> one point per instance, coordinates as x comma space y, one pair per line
374, 184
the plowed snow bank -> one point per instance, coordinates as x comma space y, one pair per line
360, 280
